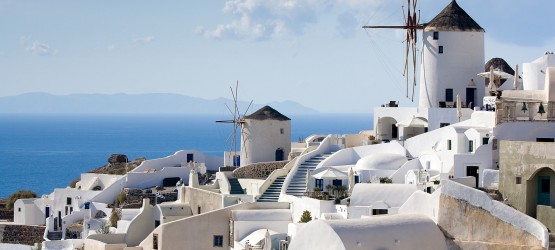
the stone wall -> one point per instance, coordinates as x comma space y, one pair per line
20, 234
205, 200
470, 227
546, 214
258, 170
6, 215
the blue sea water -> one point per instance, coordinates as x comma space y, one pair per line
43, 152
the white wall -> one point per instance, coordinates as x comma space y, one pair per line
141, 225
442, 71
422, 203
261, 138
179, 157
27, 213
533, 78
316, 207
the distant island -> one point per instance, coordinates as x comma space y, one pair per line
159, 103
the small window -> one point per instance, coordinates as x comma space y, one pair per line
444, 124
448, 95
518, 180
485, 141
154, 241
441, 49
448, 144
545, 139
19, 209
281, 131
544, 185
218, 240
198, 210
436, 35
379, 211
470, 146
68, 201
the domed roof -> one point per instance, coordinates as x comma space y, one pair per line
265, 113
453, 18
385, 161
501, 64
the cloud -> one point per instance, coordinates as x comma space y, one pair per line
259, 20
143, 40
40, 49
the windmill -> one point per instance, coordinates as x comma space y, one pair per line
237, 121
412, 20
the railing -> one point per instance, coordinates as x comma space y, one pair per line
322, 148
274, 175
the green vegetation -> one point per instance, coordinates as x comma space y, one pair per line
115, 216
306, 217
104, 228
73, 183
21, 194
386, 180
122, 197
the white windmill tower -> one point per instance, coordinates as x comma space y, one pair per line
453, 53
237, 121
266, 136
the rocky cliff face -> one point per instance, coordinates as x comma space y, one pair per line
118, 166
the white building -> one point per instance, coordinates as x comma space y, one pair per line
265, 136
453, 55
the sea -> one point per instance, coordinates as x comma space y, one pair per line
43, 152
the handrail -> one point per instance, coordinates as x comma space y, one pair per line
274, 175
322, 148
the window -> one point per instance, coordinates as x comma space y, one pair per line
470, 146
281, 131
448, 95
68, 201
544, 185
518, 180
19, 209
155, 241
448, 144
485, 141
444, 124
198, 210
441, 49
319, 184
436, 35
545, 139
218, 240
379, 211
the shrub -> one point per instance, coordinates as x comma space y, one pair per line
104, 228
73, 183
115, 216
317, 189
306, 217
386, 180
21, 194
122, 197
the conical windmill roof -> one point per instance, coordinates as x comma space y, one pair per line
453, 18
267, 113
501, 64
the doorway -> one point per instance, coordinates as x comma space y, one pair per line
544, 184
473, 171
279, 154
470, 97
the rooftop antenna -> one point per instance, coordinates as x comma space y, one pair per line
237, 121
412, 20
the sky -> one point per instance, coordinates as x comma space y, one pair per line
313, 52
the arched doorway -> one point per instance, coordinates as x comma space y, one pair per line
386, 129
279, 154
540, 190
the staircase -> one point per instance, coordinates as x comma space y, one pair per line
272, 193
235, 186
54, 235
297, 186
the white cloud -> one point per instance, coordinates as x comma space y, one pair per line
261, 19
143, 40
41, 49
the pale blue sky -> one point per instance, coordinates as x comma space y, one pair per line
309, 51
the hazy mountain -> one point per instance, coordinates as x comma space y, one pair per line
44, 103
